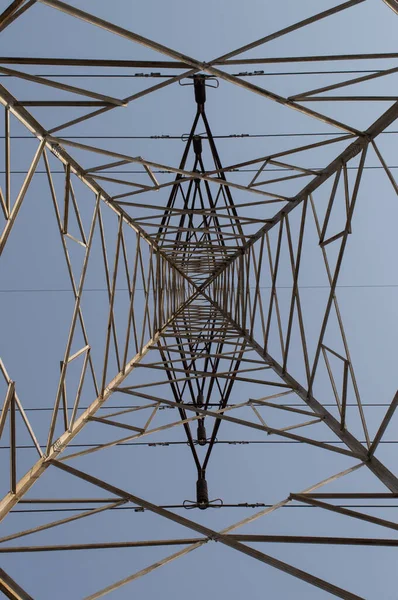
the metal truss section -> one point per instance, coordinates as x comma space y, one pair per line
189, 329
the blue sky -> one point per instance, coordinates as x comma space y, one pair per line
36, 307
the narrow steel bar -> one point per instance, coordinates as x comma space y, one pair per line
384, 424
344, 395
350, 152
385, 167
102, 545
28, 425
245, 521
18, 202
68, 262
339, 317
255, 539
384, 474
201, 66
111, 322
13, 448
335, 279
330, 205
64, 400
296, 270
88, 513
331, 378
32, 125
307, 539
9, 587
66, 199
77, 213
298, 302
131, 319
344, 511
269, 430
20, 11
150, 90
6, 406
3, 205
273, 290
289, 29
61, 86
150, 431
116, 424
169, 64
24, 485
73, 325
188, 175
12, 8
142, 572
7, 149
341, 84
211, 534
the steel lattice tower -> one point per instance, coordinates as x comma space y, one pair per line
202, 331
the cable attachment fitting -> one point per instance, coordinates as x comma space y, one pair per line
201, 433
197, 145
202, 497
200, 82
202, 493
200, 400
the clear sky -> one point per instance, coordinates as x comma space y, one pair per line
36, 305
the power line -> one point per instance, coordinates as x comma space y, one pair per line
158, 75
166, 172
261, 287
178, 506
220, 442
179, 137
51, 408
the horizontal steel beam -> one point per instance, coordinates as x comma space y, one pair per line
207, 67
210, 534
172, 64
99, 546
254, 539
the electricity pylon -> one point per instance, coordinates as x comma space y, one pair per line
195, 339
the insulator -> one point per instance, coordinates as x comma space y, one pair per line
200, 89
202, 495
199, 400
202, 439
197, 145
